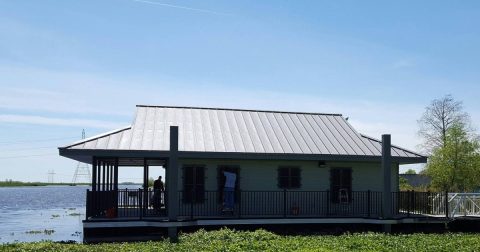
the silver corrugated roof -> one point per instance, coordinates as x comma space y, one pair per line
240, 131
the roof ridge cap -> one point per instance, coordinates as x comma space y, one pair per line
247, 110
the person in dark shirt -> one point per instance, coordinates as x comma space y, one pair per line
158, 185
158, 189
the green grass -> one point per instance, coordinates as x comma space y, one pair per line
260, 240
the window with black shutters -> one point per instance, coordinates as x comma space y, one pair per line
289, 177
221, 180
341, 185
193, 183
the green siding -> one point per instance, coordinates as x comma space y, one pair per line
262, 175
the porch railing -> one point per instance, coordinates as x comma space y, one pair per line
281, 204
126, 203
142, 203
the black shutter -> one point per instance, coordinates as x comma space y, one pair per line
283, 177
295, 178
347, 182
334, 184
188, 183
193, 184
220, 183
199, 184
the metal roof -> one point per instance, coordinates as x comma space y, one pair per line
240, 131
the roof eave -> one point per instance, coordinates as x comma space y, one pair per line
74, 153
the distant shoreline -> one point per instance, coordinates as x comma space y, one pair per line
20, 183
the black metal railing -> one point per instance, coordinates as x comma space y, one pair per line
126, 203
281, 204
409, 203
141, 203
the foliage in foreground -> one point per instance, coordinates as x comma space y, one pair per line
260, 240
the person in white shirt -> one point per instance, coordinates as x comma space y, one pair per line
229, 190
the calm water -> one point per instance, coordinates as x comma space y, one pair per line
30, 213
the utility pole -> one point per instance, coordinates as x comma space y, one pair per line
82, 171
51, 173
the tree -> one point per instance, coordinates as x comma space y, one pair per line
438, 118
404, 185
455, 166
410, 171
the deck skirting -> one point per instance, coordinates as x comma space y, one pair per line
266, 221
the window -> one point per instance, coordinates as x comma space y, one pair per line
289, 177
193, 184
221, 180
341, 185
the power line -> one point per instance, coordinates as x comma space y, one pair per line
30, 148
82, 170
33, 141
27, 156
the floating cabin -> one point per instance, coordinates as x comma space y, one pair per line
291, 168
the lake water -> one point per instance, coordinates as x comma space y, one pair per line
31, 213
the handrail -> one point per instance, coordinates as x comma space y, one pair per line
146, 203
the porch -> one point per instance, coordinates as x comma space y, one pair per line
139, 204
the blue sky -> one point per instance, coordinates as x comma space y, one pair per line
68, 65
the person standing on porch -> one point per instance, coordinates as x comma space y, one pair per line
158, 189
158, 185
228, 190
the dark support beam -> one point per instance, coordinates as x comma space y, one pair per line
115, 182
110, 181
99, 175
173, 234
172, 177
145, 174
103, 175
113, 176
94, 173
387, 176
108, 177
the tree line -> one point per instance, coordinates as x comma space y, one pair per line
452, 145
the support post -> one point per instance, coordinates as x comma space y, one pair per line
99, 174
327, 213
173, 234
368, 204
387, 176
116, 175
239, 198
108, 176
115, 184
172, 176
446, 205
94, 173
145, 186
192, 201
103, 175
387, 228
